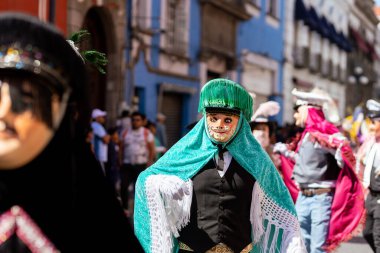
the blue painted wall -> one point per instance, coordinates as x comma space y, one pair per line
256, 35
259, 37
147, 82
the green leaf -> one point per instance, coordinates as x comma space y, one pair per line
97, 59
79, 36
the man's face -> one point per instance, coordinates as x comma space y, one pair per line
137, 122
22, 135
300, 115
101, 119
261, 133
221, 127
374, 127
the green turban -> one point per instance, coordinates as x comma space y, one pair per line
225, 95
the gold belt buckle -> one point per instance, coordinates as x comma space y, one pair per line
219, 248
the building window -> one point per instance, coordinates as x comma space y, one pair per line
176, 27
273, 7
142, 19
217, 28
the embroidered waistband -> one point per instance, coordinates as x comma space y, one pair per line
310, 192
219, 248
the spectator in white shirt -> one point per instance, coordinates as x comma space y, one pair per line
138, 151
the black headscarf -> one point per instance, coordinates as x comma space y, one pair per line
63, 189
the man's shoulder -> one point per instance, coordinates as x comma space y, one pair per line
148, 134
98, 129
96, 125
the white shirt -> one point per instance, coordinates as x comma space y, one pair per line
124, 123
135, 146
371, 161
227, 161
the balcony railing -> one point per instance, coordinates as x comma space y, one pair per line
235, 8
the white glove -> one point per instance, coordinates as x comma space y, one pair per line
280, 147
174, 187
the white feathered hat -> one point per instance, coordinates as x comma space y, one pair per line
373, 108
319, 98
312, 98
265, 110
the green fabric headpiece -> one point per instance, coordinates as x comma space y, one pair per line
226, 94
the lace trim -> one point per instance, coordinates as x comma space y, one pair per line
16, 220
177, 210
167, 215
161, 238
277, 218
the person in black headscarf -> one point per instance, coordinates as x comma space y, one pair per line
53, 195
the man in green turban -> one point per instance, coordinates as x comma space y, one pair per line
216, 190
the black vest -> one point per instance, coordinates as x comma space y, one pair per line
220, 209
314, 164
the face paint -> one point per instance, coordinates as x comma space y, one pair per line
261, 133
23, 132
300, 116
221, 127
374, 128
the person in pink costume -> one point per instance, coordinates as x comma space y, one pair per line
319, 173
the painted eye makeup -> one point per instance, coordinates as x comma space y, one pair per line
213, 119
228, 120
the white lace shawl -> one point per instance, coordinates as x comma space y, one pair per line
168, 217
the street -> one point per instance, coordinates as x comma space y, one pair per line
355, 245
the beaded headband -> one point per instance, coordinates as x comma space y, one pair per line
32, 59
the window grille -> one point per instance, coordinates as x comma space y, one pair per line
176, 27
141, 16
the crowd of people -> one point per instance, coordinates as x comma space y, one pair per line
126, 149
331, 173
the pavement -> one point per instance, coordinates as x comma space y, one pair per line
355, 245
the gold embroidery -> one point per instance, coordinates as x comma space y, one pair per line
184, 247
219, 248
